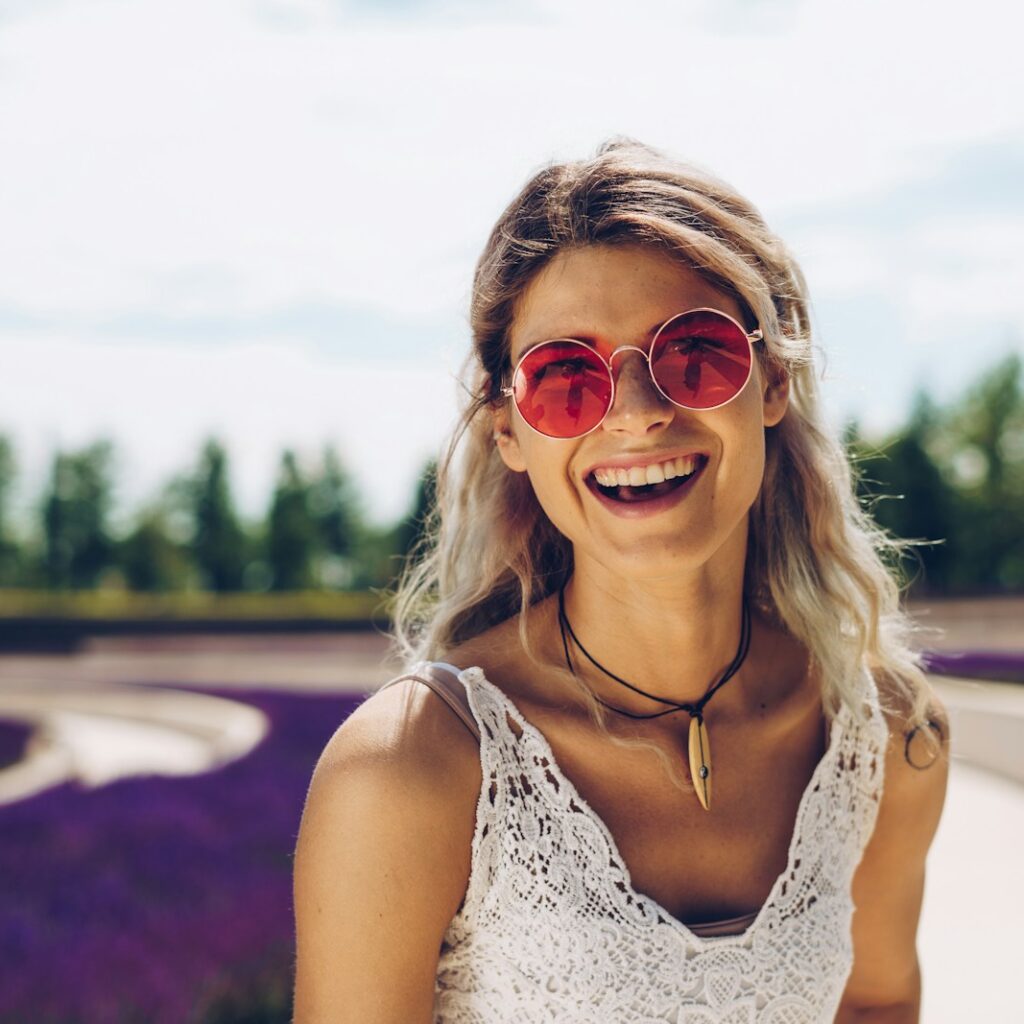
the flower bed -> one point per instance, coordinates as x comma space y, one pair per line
163, 900
13, 738
997, 666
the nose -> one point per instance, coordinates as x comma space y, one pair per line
638, 406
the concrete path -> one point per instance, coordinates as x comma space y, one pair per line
94, 737
969, 941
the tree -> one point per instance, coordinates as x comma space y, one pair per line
9, 551
77, 544
983, 455
411, 531
292, 535
150, 558
957, 475
218, 542
335, 508
908, 496
334, 505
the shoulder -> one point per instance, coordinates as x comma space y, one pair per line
888, 885
383, 857
396, 787
917, 741
406, 742
914, 780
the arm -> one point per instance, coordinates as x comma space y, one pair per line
884, 986
382, 860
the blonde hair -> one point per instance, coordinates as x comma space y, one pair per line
817, 564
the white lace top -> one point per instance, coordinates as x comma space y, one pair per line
551, 929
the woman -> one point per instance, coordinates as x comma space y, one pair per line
688, 725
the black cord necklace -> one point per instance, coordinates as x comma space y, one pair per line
699, 747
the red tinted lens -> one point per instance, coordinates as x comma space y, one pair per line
562, 388
701, 359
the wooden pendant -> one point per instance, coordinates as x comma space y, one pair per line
700, 761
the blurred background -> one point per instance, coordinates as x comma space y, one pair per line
235, 265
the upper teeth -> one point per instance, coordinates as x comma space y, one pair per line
637, 476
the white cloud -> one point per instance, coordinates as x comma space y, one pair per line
166, 136
181, 159
972, 268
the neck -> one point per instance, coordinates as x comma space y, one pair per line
673, 643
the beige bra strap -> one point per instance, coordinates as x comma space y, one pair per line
447, 686
727, 926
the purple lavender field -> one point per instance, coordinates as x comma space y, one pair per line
996, 666
162, 900
13, 737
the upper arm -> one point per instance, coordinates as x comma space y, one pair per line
382, 860
888, 886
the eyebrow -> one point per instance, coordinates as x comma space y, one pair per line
585, 338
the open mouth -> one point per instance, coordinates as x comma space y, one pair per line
644, 492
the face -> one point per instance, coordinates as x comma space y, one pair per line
619, 295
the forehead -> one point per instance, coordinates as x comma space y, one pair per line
610, 294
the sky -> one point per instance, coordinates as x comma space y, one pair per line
258, 219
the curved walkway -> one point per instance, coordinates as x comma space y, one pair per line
95, 737
968, 939
969, 935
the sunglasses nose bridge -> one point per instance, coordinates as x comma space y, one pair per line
645, 355
628, 348
646, 399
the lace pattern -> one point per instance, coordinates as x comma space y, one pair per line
551, 928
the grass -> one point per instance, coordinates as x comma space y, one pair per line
107, 604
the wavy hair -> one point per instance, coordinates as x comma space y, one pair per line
817, 564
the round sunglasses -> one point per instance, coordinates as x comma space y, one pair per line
700, 359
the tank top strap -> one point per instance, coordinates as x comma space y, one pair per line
443, 679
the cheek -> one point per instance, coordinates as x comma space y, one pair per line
740, 431
547, 467
748, 456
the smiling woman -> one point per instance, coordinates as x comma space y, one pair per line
650, 753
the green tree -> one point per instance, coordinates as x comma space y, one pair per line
412, 529
292, 535
908, 496
218, 543
77, 544
149, 557
10, 553
334, 505
956, 474
376, 562
983, 456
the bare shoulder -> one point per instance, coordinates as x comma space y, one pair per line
917, 753
888, 886
383, 858
404, 755
404, 728
916, 771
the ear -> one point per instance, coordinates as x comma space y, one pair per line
776, 399
505, 438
